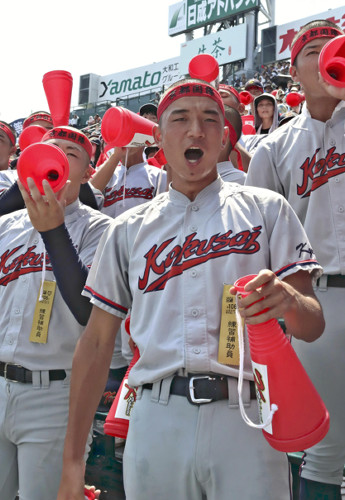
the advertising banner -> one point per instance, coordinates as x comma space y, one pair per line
139, 80
226, 46
286, 32
192, 14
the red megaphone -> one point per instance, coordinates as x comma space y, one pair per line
30, 135
204, 67
332, 61
43, 161
123, 128
248, 127
246, 97
88, 494
58, 89
294, 99
302, 419
117, 421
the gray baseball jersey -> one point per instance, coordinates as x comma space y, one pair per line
21, 250
305, 161
168, 260
7, 178
141, 184
229, 173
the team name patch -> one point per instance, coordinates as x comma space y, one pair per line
27, 262
116, 195
192, 253
317, 173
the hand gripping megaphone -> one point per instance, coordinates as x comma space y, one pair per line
301, 419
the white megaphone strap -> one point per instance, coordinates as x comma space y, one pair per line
245, 417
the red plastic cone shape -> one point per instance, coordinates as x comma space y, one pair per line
58, 89
117, 421
294, 99
332, 61
248, 125
121, 127
43, 161
246, 97
248, 129
89, 495
30, 135
302, 419
204, 67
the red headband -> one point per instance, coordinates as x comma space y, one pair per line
45, 117
231, 90
233, 141
8, 132
312, 34
232, 133
69, 134
189, 90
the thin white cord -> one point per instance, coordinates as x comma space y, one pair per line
43, 275
245, 417
159, 181
124, 180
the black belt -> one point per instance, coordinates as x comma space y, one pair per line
334, 280
17, 373
200, 389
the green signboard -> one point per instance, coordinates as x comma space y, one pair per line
202, 12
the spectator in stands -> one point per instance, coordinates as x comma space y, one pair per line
268, 88
91, 121
265, 114
254, 87
97, 119
149, 111
74, 121
280, 95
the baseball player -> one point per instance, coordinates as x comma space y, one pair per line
225, 167
304, 161
45, 250
127, 181
231, 98
168, 260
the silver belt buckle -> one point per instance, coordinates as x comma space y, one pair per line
5, 373
191, 389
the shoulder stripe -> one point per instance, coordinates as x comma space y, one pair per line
106, 301
301, 263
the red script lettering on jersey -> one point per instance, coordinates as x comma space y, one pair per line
192, 253
27, 262
112, 197
318, 172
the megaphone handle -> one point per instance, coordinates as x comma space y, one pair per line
245, 417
